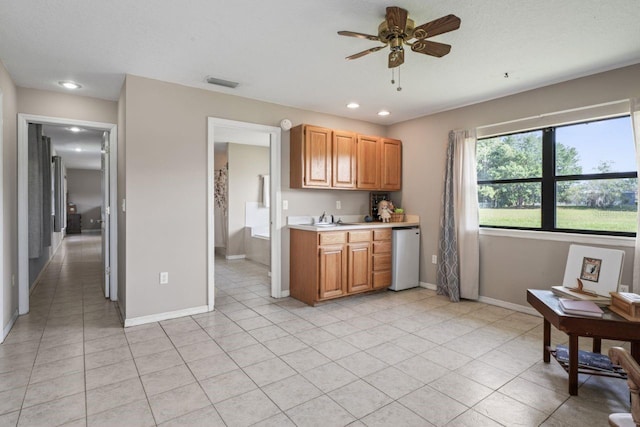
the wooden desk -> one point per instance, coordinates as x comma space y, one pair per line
610, 326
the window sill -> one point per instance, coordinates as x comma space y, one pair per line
628, 242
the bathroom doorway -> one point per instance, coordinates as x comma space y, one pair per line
244, 222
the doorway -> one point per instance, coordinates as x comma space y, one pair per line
105, 161
221, 130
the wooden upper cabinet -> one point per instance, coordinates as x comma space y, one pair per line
344, 159
326, 158
391, 170
310, 157
368, 163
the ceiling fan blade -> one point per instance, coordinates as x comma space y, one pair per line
359, 35
397, 19
396, 58
431, 48
365, 52
437, 26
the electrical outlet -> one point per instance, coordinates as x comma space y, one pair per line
434, 259
285, 205
623, 288
338, 204
164, 278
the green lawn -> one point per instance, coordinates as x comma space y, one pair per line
568, 217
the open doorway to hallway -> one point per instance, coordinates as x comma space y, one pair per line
66, 186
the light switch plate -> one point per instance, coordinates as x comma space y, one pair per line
164, 278
338, 204
285, 205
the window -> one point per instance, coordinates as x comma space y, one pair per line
578, 178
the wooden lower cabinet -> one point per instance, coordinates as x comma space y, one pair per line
332, 264
332, 277
381, 258
358, 267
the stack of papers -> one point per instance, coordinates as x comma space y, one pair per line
564, 292
580, 308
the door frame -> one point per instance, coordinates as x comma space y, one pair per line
275, 135
2, 241
23, 209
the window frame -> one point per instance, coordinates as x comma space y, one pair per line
549, 181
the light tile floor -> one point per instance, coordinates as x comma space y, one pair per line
388, 359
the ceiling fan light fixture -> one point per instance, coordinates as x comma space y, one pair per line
353, 105
68, 84
383, 113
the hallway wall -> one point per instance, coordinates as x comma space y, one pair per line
85, 190
9, 202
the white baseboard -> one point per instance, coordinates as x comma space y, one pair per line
235, 256
428, 286
509, 305
7, 328
493, 301
135, 321
284, 294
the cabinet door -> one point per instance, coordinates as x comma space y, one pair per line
368, 165
317, 157
344, 159
391, 171
359, 267
332, 272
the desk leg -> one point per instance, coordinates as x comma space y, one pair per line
573, 365
597, 345
546, 341
635, 350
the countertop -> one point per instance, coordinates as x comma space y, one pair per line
410, 221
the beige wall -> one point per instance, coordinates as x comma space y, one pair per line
508, 266
9, 197
85, 190
57, 104
166, 141
246, 164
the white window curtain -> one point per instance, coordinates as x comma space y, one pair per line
458, 248
634, 108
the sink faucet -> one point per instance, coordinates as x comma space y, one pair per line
324, 217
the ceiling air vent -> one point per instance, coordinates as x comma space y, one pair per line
220, 82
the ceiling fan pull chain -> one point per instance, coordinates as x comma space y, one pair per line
393, 79
399, 87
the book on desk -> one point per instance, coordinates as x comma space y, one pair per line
580, 308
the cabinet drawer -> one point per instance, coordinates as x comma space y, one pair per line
382, 262
331, 238
381, 279
384, 234
381, 247
360, 236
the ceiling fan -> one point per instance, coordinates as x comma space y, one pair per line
398, 30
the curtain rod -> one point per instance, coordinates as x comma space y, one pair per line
556, 113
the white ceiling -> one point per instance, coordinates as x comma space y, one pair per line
288, 52
79, 150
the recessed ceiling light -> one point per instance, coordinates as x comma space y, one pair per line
78, 149
68, 84
383, 113
353, 105
75, 129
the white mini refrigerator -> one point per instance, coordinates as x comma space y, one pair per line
405, 258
